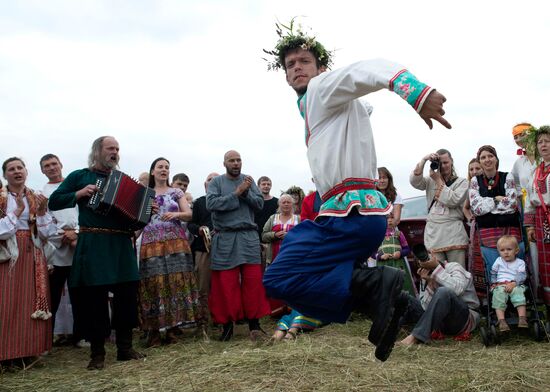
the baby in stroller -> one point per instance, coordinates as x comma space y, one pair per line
508, 275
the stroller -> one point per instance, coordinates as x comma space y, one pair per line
488, 329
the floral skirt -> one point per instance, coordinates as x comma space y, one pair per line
168, 290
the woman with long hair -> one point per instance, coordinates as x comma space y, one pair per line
25, 317
386, 186
168, 290
474, 169
444, 233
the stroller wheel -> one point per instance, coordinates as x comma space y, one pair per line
496, 335
536, 331
485, 338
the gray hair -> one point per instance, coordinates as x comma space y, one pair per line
95, 152
284, 196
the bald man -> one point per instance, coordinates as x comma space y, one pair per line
236, 283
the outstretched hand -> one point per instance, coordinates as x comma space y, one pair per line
433, 109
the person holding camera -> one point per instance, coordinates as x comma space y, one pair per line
444, 234
448, 297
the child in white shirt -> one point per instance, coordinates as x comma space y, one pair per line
507, 277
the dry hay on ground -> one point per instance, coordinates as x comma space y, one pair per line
334, 358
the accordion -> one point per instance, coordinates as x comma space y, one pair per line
121, 193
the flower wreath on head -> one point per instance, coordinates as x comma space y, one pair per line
530, 140
293, 37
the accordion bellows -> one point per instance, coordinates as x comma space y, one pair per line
120, 192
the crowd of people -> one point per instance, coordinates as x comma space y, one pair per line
240, 254
201, 263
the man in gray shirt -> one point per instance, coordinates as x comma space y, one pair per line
236, 283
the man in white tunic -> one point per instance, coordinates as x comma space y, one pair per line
444, 234
314, 271
60, 246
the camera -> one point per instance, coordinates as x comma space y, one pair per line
421, 253
434, 165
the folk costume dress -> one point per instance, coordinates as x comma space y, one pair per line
537, 207
168, 290
272, 226
25, 317
395, 241
313, 271
523, 172
495, 219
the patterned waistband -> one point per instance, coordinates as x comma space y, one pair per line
23, 233
350, 184
102, 230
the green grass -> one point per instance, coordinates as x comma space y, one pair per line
333, 358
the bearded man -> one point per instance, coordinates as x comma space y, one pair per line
104, 260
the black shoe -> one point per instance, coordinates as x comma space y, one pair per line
391, 285
227, 333
385, 347
128, 355
96, 363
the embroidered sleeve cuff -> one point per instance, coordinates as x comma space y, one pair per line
410, 89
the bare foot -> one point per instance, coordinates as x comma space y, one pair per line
408, 341
278, 335
291, 334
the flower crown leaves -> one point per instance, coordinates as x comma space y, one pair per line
530, 140
293, 37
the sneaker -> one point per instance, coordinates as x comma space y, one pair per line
522, 323
503, 326
81, 344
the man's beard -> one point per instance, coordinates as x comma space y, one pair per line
110, 163
301, 91
234, 172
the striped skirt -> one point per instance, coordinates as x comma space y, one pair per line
543, 255
20, 290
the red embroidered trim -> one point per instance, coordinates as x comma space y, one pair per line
421, 97
364, 183
395, 77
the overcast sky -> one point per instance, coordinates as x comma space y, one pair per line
186, 80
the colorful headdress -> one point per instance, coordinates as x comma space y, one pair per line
293, 37
520, 128
531, 138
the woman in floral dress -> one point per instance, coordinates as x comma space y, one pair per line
169, 294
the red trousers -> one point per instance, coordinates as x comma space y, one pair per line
238, 294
